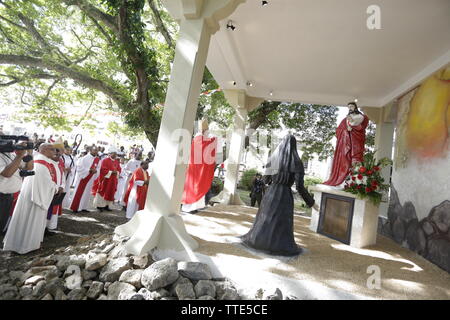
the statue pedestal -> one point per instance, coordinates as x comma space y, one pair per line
344, 217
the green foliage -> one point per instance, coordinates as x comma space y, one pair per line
370, 135
214, 107
247, 179
217, 185
313, 125
84, 61
311, 181
366, 180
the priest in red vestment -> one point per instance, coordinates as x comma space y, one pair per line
55, 209
137, 190
351, 137
107, 181
200, 172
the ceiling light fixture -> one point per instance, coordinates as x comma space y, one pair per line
234, 83
264, 3
230, 25
249, 84
356, 100
271, 93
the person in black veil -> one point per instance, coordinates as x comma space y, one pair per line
273, 229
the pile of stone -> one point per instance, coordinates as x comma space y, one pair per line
99, 268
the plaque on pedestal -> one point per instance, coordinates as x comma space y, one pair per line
344, 217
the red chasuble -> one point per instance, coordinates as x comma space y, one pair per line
349, 149
141, 192
107, 186
200, 172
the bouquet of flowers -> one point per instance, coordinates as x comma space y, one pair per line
365, 178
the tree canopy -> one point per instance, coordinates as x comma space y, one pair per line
90, 55
314, 125
67, 52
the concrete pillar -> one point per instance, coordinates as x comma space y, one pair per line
242, 104
159, 224
384, 137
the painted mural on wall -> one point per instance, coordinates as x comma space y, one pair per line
419, 210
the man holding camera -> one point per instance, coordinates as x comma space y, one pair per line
26, 230
11, 165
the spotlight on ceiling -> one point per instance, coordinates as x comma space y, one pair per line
271, 93
356, 100
264, 3
234, 83
230, 25
249, 83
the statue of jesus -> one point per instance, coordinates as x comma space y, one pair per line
351, 137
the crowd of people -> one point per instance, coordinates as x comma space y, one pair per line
37, 183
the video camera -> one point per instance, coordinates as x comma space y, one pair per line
10, 143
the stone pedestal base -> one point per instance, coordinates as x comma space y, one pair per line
363, 230
166, 232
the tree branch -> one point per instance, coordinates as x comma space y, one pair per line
13, 23
66, 72
49, 89
22, 77
95, 14
160, 26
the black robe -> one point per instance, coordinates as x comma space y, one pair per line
273, 229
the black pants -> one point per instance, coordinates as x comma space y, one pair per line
256, 197
6, 201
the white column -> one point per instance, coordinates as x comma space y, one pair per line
235, 157
384, 137
242, 105
159, 224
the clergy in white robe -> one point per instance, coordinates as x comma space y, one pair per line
69, 175
122, 179
137, 190
130, 167
27, 226
84, 179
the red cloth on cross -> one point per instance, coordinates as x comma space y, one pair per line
200, 172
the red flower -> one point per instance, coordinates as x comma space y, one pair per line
374, 183
360, 177
352, 184
353, 178
368, 189
369, 172
376, 168
358, 187
362, 169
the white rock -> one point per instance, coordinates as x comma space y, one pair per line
116, 289
114, 268
160, 274
34, 280
132, 277
96, 262
194, 270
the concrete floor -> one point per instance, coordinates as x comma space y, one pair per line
327, 269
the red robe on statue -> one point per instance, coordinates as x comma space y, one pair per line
200, 172
107, 186
138, 175
349, 150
